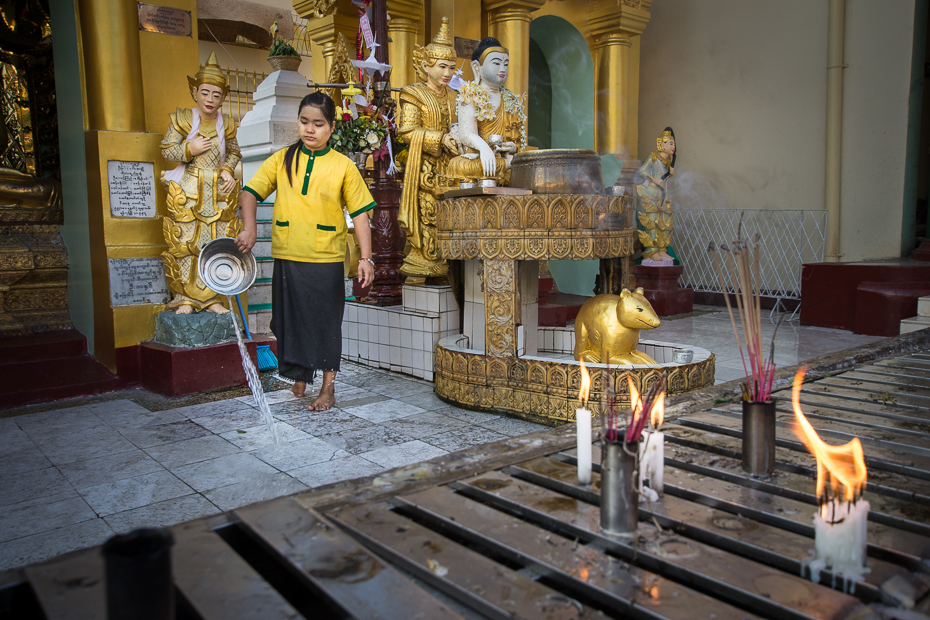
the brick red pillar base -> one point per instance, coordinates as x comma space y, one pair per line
660, 287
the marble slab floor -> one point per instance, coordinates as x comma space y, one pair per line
71, 476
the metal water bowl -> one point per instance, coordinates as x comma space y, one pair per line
224, 268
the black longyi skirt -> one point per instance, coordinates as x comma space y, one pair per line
307, 303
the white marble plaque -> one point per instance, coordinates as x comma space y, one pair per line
132, 188
137, 281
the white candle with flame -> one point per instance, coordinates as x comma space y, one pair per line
840, 539
652, 460
841, 526
583, 429
652, 448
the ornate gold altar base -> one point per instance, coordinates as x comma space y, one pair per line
493, 365
546, 390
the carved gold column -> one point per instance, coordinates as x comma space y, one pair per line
402, 31
112, 65
501, 307
323, 33
509, 23
613, 30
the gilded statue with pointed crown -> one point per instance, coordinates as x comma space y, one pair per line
427, 112
492, 119
655, 209
203, 194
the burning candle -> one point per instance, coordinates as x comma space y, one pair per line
583, 429
840, 527
652, 448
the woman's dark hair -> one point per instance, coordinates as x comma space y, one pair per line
324, 103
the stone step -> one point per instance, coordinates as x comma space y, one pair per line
265, 211
265, 266
260, 293
914, 324
262, 247
259, 320
923, 306
264, 228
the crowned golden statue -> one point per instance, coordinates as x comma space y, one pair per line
492, 119
427, 111
655, 213
203, 194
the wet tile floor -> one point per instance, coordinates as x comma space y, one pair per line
75, 472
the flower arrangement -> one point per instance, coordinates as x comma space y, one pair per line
282, 48
362, 134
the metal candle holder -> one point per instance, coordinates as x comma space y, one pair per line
759, 437
138, 575
619, 495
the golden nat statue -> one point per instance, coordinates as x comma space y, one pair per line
203, 195
427, 110
607, 328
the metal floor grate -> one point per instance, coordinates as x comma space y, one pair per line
522, 541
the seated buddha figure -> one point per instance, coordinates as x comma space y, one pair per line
487, 108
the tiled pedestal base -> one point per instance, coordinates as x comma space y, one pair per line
401, 338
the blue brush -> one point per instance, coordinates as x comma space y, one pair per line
266, 359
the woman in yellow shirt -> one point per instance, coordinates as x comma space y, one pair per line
308, 243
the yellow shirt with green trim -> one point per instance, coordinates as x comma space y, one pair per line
308, 224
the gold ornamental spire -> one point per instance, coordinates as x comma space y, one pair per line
210, 73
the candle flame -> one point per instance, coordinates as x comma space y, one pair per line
585, 384
636, 402
657, 414
842, 467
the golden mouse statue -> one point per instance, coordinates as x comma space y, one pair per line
607, 328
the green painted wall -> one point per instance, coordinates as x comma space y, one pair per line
76, 229
571, 116
539, 100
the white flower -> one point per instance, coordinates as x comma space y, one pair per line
373, 138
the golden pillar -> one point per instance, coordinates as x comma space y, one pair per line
323, 32
112, 65
509, 23
614, 30
402, 32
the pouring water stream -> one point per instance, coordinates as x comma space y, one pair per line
251, 375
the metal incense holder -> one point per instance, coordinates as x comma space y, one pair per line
619, 495
759, 437
138, 575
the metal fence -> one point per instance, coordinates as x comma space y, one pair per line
790, 238
242, 85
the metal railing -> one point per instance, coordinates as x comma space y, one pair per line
789, 238
242, 85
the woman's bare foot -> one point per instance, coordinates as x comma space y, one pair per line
327, 396
218, 308
185, 309
298, 389
325, 400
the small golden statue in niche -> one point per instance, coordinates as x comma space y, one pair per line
655, 214
492, 119
427, 111
203, 194
607, 328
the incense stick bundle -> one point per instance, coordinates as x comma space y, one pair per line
744, 282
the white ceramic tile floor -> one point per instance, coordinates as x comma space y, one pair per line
73, 476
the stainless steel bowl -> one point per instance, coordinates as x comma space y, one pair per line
682, 356
466, 185
224, 269
615, 190
487, 183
